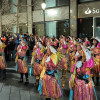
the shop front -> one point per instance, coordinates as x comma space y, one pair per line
89, 19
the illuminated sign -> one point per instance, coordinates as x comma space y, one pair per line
92, 11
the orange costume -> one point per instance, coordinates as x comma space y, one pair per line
2, 61
21, 52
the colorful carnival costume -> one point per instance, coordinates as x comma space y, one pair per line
49, 85
96, 70
2, 59
71, 53
21, 60
80, 83
63, 64
37, 56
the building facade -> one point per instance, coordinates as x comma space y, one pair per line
79, 18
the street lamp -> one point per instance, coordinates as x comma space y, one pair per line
43, 5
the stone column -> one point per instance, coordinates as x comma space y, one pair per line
29, 16
73, 18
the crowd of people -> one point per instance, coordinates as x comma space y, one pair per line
51, 55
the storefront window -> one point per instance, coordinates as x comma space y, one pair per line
96, 27
38, 28
63, 28
51, 29
85, 27
54, 28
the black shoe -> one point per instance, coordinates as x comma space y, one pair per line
4, 77
26, 83
21, 81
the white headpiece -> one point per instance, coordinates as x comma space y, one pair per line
40, 45
79, 64
87, 53
53, 50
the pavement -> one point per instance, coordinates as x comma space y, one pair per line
10, 89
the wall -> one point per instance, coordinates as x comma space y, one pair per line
52, 14
59, 13
11, 19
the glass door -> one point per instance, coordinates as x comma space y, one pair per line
96, 26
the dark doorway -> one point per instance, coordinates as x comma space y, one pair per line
85, 27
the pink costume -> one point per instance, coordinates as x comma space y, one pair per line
81, 82
21, 63
63, 62
96, 70
37, 57
71, 53
50, 86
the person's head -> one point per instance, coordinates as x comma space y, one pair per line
79, 48
86, 39
48, 49
22, 42
95, 41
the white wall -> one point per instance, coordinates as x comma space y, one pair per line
59, 13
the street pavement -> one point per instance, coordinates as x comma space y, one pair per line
10, 89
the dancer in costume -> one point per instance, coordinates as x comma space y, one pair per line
56, 43
21, 61
71, 53
80, 83
96, 55
37, 56
49, 86
63, 64
2, 59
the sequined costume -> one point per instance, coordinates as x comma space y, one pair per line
80, 82
50, 86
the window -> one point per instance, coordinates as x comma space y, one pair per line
63, 28
23, 6
97, 22
96, 27
85, 27
62, 2
51, 29
38, 28
56, 3
50, 3
13, 6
